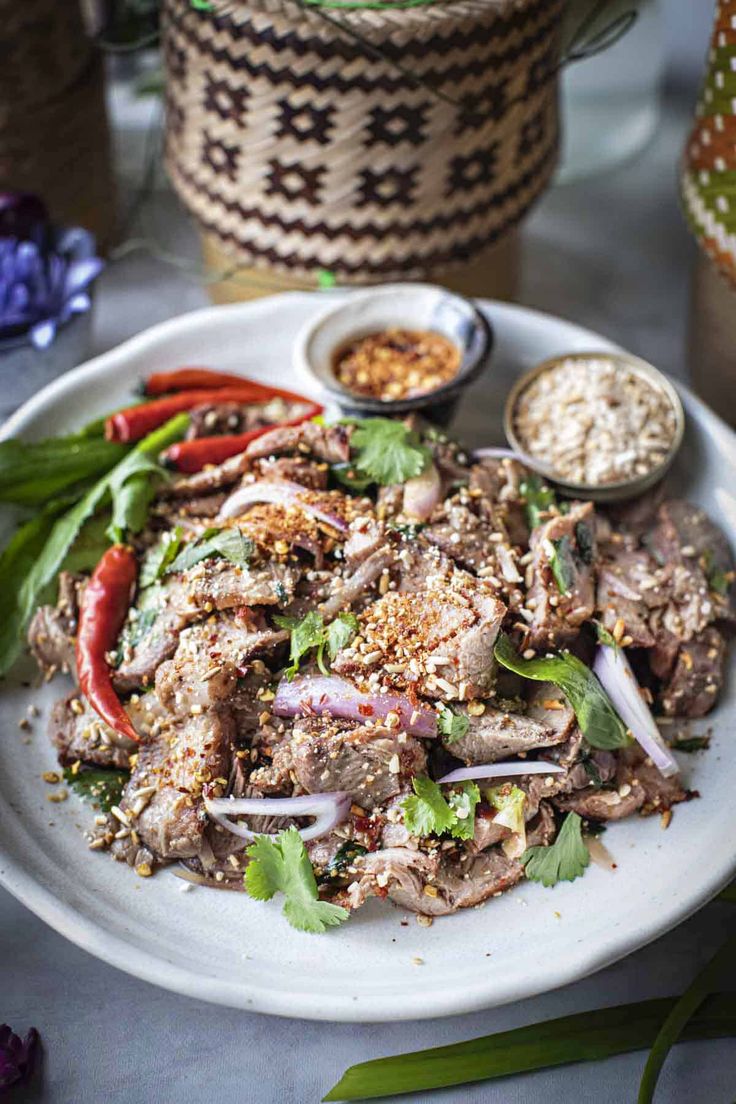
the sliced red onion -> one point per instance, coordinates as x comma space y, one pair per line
502, 770
618, 680
493, 453
328, 810
281, 493
422, 493
335, 695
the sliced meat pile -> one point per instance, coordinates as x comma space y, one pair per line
342, 582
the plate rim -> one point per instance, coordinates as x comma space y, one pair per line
90, 935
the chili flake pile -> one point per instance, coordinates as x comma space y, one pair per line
397, 364
595, 422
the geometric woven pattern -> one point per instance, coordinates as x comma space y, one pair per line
301, 149
708, 182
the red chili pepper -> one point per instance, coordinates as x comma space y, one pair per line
196, 379
192, 456
135, 422
104, 607
203, 379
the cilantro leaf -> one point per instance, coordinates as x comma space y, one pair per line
452, 725
228, 543
426, 811
282, 865
340, 632
388, 451
539, 499
101, 787
463, 801
311, 632
158, 559
598, 720
564, 861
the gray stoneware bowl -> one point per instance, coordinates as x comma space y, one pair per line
609, 492
414, 307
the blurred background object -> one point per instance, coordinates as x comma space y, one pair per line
54, 138
46, 278
611, 101
709, 199
375, 144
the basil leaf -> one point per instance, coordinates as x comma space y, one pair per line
598, 720
451, 725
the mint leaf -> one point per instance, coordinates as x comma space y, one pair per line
158, 559
564, 861
340, 632
282, 865
388, 451
305, 634
311, 632
230, 544
463, 801
451, 725
538, 499
598, 720
100, 787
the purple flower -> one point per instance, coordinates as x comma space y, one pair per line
17, 1056
44, 272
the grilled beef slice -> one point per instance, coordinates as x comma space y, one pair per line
497, 735
562, 603
53, 629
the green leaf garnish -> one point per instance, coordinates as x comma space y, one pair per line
64, 532
344, 857
560, 559
282, 865
340, 632
462, 800
564, 860
603, 635
426, 812
33, 473
158, 559
538, 499
100, 787
451, 725
387, 451
311, 632
230, 544
598, 720
133, 489
583, 1037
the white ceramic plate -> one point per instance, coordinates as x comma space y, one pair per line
224, 947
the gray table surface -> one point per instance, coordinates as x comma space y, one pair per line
612, 254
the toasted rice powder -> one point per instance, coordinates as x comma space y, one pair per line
595, 422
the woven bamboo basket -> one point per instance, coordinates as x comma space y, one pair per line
53, 126
377, 145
